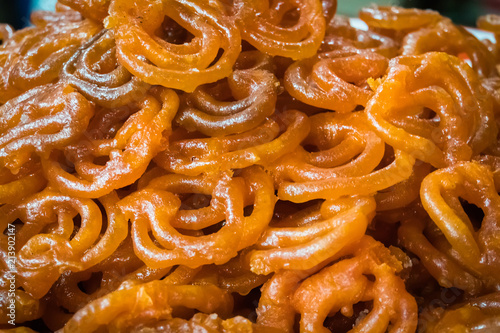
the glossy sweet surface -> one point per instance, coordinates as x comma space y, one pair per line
248, 166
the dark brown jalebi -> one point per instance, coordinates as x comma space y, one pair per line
94, 71
256, 92
478, 313
248, 166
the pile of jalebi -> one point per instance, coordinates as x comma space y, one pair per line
248, 166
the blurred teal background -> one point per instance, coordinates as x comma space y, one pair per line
466, 12
463, 12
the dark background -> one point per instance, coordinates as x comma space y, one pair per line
466, 12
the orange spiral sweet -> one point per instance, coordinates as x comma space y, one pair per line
248, 166
463, 248
110, 86
452, 39
256, 91
260, 145
96, 10
130, 151
45, 50
152, 209
179, 66
163, 299
325, 81
303, 246
266, 26
413, 85
40, 120
398, 18
340, 35
337, 288
332, 172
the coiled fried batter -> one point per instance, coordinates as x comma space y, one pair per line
248, 166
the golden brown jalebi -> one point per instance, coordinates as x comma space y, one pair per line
287, 28
15, 186
93, 9
317, 175
42, 53
434, 112
338, 288
248, 166
260, 145
340, 35
162, 299
39, 121
397, 18
325, 81
183, 65
452, 39
129, 152
299, 244
466, 247
152, 208
48, 244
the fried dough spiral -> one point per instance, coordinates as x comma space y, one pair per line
39, 121
260, 145
114, 310
46, 245
130, 151
308, 176
153, 207
158, 61
444, 36
45, 50
93, 9
112, 85
481, 312
257, 93
271, 29
467, 250
26, 181
340, 35
398, 18
325, 81
463, 122
248, 166
337, 288
300, 244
